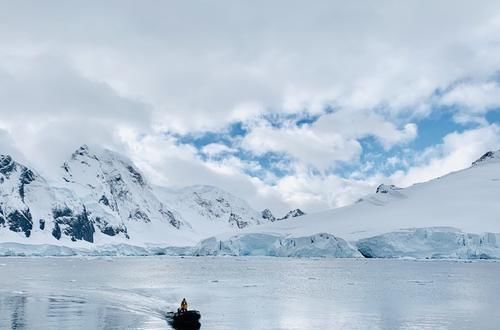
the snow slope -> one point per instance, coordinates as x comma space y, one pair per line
208, 209
455, 216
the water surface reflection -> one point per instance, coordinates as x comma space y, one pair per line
249, 293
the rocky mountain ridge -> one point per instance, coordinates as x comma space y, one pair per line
101, 195
268, 215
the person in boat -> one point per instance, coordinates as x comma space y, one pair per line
184, 305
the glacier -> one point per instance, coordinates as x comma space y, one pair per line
319, 245
111, 250
431, 243
418, 243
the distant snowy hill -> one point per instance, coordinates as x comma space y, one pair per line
209, 209
454, 216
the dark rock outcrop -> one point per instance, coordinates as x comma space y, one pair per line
76, 226
109, 229
137, 177
293, 214
7, 165
488, 156
385, 189
56, 231
268, 215
20, 221
172, 219
236, 219
27, 176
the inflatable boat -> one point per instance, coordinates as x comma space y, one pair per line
187, 320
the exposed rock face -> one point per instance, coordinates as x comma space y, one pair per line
237, 220
490, 156
7, 165
268, 215
386, 189
76, 226
20, 221
293, 214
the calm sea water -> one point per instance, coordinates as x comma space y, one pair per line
248, 293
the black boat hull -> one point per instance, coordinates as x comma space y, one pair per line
189, 320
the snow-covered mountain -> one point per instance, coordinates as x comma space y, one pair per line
114, 188
99, 196
102, 197
101, 202
209, 209
457, 215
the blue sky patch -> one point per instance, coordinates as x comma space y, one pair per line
373, 158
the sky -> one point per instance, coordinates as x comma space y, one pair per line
287, 104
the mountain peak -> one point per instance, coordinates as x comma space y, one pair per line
7, 164
293, 214
83, 151
5, 156
268, 215
489, 157
385, 188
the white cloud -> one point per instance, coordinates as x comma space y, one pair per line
167, 163
49, 109
472, 100
127, 73
355, 124
203, 65
332, 138
8, 146
305, 144
314, 192
477, 98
